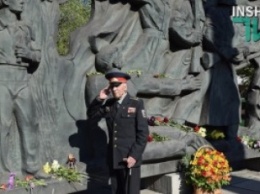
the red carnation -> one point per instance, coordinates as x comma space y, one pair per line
150, 138
196, 128
166, 120
239, 139
159, 119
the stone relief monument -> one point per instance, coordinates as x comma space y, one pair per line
185, 50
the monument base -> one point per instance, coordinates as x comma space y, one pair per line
167, 184
57, 187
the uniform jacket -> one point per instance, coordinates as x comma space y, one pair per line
127, 127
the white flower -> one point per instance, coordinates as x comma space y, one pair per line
202, 131
55, 165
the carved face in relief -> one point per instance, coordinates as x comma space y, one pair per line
14, 5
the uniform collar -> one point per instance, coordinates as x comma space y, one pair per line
120, 101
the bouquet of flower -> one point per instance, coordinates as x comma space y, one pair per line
157, 137
165, 121
207, 169
62, 172
250, 142
29, 182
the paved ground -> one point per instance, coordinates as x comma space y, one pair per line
243, 182
146, 191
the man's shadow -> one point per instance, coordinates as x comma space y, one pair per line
91, 140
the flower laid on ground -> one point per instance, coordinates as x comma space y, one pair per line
216, 134
11, 181
256, 144
136, 72
207, 169
93, 73
165, 121
150, 138
250, 142
162, 75
46, 168
3, 187
55, 165
29, 182
200, 131
62, 172
157, 138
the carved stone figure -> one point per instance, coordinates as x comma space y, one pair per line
172, 55
18, 55
186, 30
149, 49
223, 96
43, 16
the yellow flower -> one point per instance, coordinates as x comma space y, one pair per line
207, 168
46, 168
194, 163
199, 154
216, 134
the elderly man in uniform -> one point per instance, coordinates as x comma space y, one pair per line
128, 132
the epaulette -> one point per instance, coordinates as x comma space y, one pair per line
134, 98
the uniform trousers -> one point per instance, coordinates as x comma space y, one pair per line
122, 182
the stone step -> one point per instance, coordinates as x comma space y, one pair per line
146, 191
171, 183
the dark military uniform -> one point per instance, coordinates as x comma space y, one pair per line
128, 131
